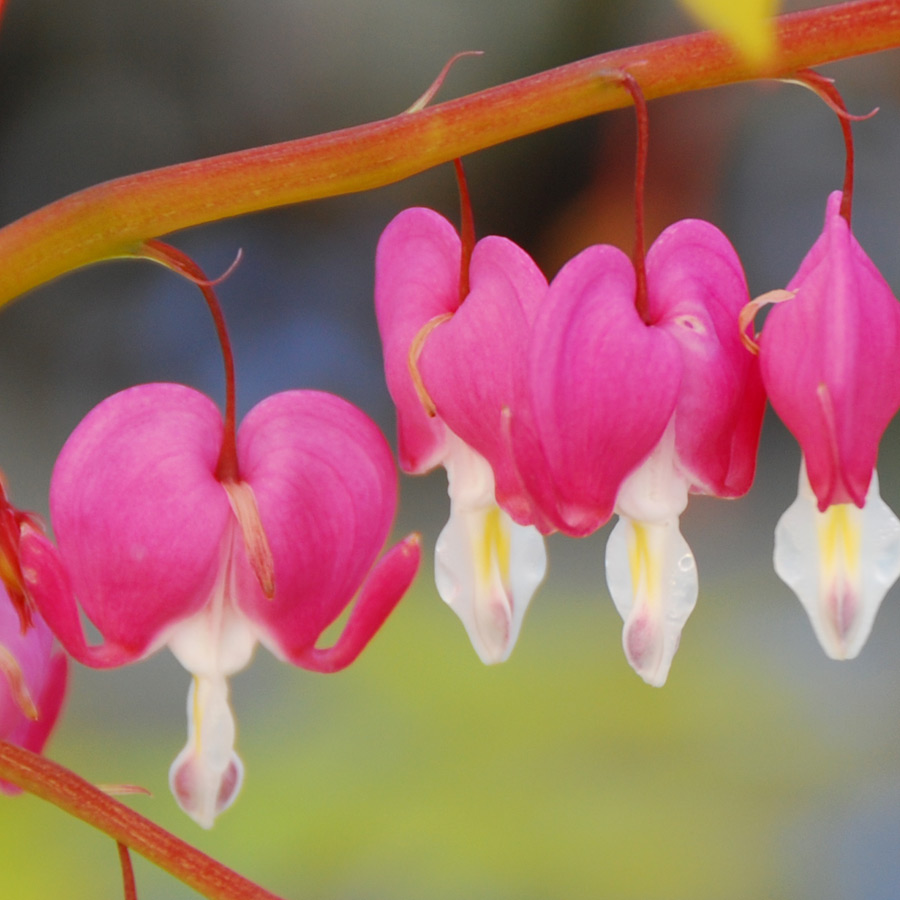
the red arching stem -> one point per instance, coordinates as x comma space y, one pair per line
466, 228
640, 174
825, 88
108, 220
172, 258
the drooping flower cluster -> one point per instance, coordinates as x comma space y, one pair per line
620, 388
574, 407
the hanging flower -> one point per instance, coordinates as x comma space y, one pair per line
632, 409
160, 549
830, 360
453, 361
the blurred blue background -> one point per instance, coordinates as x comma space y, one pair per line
761, 770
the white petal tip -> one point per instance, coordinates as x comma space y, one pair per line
652, 578
493, 639
839, 563
487, 568
647, 649
207, 775
202, 791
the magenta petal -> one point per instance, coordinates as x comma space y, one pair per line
51, 589
43, 670
603, 388
326, 487
697, 290
34, 735
473, 364
417, 268
384, 587
830, 361
138, 513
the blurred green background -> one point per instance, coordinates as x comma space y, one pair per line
762, 769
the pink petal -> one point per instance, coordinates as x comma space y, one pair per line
326, 487
603, 388
697, 289
473, 365
381, 592
50, 587
138, 513
416, 279
44, 672
830, 361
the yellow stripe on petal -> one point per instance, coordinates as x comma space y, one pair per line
652, 578
644, 564
494, 549
839, 539
840, 563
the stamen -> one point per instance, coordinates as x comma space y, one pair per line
259, 553
15, 678
412, 361
748, 314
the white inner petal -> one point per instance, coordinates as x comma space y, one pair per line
650, 570
652, 577
212, 645
487, 567
839, 563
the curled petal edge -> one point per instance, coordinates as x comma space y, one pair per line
51, 589
382, 590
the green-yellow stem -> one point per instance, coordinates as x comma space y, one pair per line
50, 781
112, 218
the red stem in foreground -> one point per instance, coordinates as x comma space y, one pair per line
50, 781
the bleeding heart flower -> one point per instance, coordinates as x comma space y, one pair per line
453, 365
630, 412
830, 361
160, 550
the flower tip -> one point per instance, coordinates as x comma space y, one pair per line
645, 648
202, 792
412, 544
840, 563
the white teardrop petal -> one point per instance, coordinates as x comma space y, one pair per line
206, 776
652, 577
487, 567
840, 564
